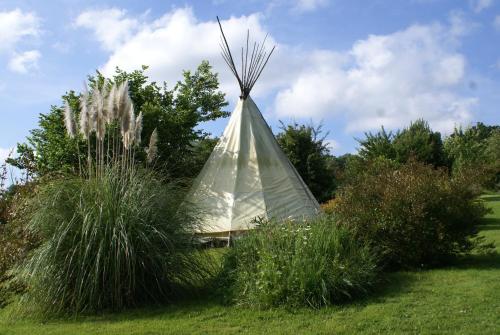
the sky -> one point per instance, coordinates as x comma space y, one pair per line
350, 65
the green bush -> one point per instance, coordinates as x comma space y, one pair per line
109, 243
16, 241
312, 263
416, 215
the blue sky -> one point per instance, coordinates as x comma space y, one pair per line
353, 65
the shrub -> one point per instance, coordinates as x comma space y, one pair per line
416, 215
16, 241
109, 243
312, 263
329, 206
308, 151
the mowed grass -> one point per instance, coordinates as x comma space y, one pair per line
460, 299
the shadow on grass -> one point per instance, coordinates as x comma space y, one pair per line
479, 262
393, 285
491, 198
208, 307
494, 225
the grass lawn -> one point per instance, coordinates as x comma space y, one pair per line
462, 299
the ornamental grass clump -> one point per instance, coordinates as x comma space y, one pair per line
312, 263
114, 236
110, 243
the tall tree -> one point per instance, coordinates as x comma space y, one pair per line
478, 148
377, 145
308, 152
467, 147
176, 113
420, 142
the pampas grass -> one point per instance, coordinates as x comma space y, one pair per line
138, 129
101, 112
152, 149
109, 243
115, 236
69, 120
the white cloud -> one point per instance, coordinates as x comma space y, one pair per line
333, 145
480, 5
16, 25
295, 6
111, 27
309, 5
178, 41
25, 61
496, 22
383, 79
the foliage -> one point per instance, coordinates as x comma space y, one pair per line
492, 153
476, 147
176, 113
462, 299
309, 154
16, 241
114, 236
109, 243
311, 263
416, 215
418, 142
377, 145
355, 166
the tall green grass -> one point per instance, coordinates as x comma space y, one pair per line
312, 263
109, 243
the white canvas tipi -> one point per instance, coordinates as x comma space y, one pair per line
247, 175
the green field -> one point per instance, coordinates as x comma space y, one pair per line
461, 299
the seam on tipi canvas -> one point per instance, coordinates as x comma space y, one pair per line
304, 187
258, 167
231, 214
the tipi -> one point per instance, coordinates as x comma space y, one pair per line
248, 176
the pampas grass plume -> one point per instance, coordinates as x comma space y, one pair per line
69, 120
153, 146
85, 126
138, 129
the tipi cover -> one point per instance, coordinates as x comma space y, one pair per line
248, 176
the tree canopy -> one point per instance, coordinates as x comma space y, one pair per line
309, 153
417, 141
175, 113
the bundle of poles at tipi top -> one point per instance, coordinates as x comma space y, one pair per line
251, 68
107, 110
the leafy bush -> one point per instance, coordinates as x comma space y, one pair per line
415, 214
312, 263
109, 243
175, 112
16, 241
308, 151
417, 141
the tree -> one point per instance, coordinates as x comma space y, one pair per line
493, 156
468, 147
175, 113
310, 156
476, 148
377, 145
419, 142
